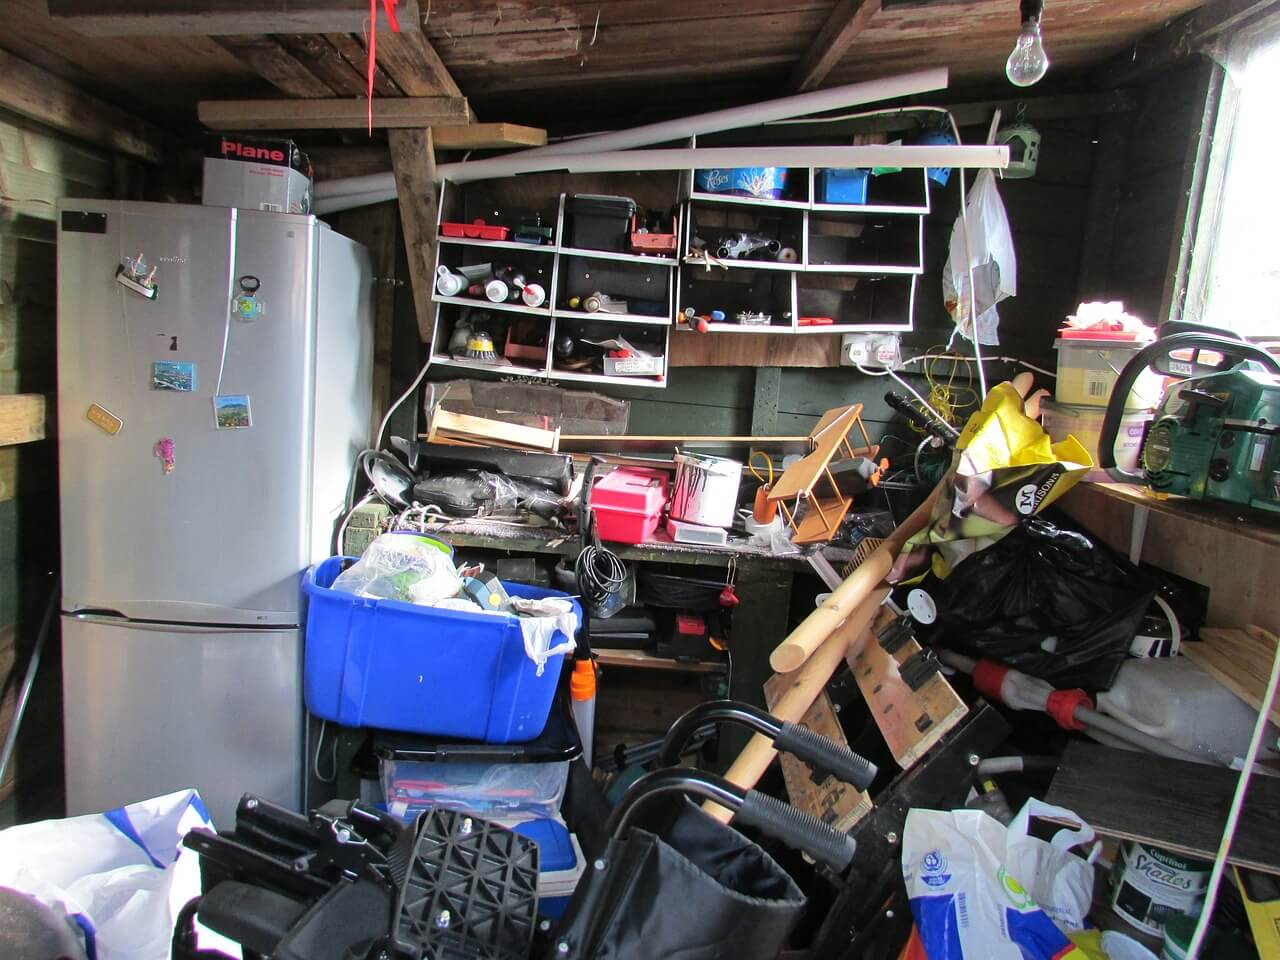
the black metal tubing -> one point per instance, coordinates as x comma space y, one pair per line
714, 711
683, 780
1139, 362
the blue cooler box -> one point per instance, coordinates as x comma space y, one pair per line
400, 666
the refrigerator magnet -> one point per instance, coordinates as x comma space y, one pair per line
246, 305
104, 419
232, 412
177, 376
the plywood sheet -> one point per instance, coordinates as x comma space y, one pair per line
1175, 804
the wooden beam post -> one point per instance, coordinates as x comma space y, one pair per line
154, 18
847, 20
21, 418
344, 114
28, 90
413, 158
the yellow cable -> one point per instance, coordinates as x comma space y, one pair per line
751, 465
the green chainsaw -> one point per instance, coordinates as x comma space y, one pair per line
1216, 433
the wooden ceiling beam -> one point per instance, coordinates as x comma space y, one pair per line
276, 65
847, 20
32, 92
353, 51
151, 18
413, 63
319, 56
346, 114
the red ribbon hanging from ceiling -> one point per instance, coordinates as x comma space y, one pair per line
389, 6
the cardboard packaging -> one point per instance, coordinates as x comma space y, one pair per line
256, 173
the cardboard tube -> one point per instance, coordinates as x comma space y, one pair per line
805, 685
815, 628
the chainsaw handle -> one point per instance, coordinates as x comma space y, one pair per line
1238, 349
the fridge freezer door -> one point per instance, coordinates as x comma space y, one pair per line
150, 709
218, 535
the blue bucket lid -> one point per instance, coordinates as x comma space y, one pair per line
555, 849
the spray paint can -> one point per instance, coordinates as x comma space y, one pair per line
1150, 885
448, 283
497, 291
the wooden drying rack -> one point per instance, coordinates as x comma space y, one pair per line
801, 481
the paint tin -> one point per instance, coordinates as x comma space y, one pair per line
706, 490
1150, 885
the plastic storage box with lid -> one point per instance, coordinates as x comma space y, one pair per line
628, 504
485, 779
842, 186
560, 864
400, 666
600, 222
1085, 424
1088, 368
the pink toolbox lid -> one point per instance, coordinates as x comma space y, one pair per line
631, 490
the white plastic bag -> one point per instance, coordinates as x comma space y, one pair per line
540, 623
1058, 880
122, 875
990, 254
967, 901
402, 566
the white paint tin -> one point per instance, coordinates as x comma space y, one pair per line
706, 489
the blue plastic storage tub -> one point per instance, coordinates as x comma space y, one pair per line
842, 186
399, 666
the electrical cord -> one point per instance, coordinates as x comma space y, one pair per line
599, 573
315, 763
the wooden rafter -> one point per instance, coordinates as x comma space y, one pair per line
148, 18
847, 20
271, 61
345, 114
353, 51
319, 56
32, 92
413, 63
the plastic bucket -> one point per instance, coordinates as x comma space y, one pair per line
706, 490
1150, 886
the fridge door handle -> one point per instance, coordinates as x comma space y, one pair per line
111, 618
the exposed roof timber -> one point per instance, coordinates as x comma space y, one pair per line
847, 20
144, 18
276, 65
32, 92
1184, 36
338, 114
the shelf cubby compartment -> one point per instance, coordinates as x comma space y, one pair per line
864, 243
575, 359
856, 303
521, 342
531, 263
724, 231
903, 192
734, 292
645, 286
489, 201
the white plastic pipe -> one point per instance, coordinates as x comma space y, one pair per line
784, 108
346, 201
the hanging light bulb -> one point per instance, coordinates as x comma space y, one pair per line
1028, 63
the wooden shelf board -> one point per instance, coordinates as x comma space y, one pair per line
1246, 522
604, 316
642, 660
619, 256
498, 244
479, 304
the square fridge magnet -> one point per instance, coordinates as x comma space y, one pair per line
176, 375
232, 412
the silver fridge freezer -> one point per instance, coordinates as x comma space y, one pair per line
214, 371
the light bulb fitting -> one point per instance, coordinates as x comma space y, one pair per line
1028, 63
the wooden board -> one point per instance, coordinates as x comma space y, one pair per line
136, 18
320, 57
352, 49
21, 418
847, 20
413, 158
336, 114
910, 721
799, 479
489, 136
1175, 804
638, 659
411, 61
831, 800
447, 427
753, 350
38, 94
1238, 659
276, 65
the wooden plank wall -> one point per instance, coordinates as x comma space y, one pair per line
1152, 201
36, 168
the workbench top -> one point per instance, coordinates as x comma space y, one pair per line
522, 538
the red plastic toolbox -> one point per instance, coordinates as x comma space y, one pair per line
478, 230
628, 504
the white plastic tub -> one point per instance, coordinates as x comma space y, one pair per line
1087, 372
1085, 424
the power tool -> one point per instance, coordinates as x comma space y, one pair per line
1216, 433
